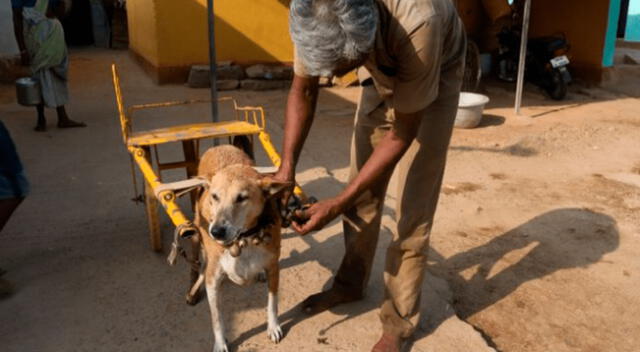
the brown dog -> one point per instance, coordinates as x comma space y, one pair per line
239, 228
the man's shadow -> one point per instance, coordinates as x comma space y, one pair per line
559, 239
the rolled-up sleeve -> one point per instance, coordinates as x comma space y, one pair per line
419, 59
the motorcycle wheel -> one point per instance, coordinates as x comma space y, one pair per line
557, 87
472, 70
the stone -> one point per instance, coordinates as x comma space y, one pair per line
256, 84
229, 72
269, 72
199, 77
227, 84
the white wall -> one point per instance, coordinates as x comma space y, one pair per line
8, 44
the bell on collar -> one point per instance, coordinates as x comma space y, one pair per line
234, 250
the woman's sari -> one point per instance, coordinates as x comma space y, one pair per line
44, 38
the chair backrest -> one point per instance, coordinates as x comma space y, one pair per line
125, 123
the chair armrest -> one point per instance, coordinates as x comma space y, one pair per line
166, 104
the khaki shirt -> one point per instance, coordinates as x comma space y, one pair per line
415, 41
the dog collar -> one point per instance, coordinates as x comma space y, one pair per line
255, 235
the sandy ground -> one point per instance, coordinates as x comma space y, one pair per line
534, 247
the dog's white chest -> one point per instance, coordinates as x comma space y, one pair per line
244, 268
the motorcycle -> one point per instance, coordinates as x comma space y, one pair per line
546, 62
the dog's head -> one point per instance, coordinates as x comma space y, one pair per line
234, 199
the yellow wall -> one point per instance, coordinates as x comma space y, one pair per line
182, 32
253, 30
142, 29
170, 33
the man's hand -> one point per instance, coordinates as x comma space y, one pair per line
384, 158
318, 215
284, 175
25, 60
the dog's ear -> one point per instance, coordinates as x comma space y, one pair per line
204, 186
273, 188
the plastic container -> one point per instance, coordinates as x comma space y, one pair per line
28, 91
470, 107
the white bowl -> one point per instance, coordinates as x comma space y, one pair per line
470, 107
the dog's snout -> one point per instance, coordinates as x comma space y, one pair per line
218, 232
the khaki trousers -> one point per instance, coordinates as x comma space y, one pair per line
420, 174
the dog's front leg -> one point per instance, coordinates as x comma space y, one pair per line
273, 326
213, 293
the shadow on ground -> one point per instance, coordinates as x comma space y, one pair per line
559, 239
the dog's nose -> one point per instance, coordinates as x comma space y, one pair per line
218, 232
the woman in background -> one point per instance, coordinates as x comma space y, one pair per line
40, 38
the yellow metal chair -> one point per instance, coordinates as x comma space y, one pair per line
247, 121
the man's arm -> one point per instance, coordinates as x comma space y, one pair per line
301, 105
18, 31
384, 157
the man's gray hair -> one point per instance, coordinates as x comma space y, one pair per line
328, 32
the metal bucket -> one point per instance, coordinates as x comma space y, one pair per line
28, 91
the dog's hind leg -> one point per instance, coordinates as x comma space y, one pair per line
196, 276
273, 326
213, 292
193, 296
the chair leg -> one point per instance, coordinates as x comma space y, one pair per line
191, 157
151, 208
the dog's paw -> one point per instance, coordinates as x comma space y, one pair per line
220, 347
275, 333
193, 300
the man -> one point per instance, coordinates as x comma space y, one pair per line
40, 38
413, 57
13, 189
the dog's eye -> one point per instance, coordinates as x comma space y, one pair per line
241, 198
215, 197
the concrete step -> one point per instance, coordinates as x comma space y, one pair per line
623, 78
627, 56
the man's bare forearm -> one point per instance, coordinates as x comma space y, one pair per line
383, 159
301, 105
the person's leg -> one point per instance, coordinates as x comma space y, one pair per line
41, 123
362, 222
6, 288
55, 92
64, 121
420, 175
7, 207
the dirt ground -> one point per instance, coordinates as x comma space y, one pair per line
534, 246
